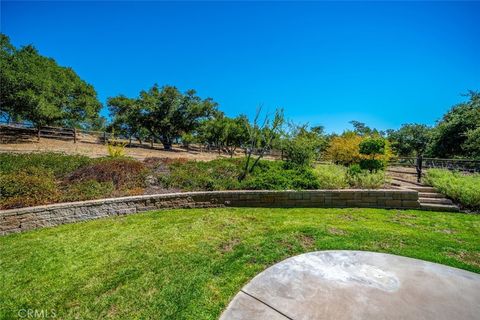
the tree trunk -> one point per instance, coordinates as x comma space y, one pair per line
167, 143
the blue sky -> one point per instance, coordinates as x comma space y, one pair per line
383, 63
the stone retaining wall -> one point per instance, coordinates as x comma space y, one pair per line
18, 220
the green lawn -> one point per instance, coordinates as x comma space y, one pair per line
188, 264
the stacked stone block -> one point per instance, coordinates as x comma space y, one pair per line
18, 220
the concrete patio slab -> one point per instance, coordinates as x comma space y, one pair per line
358, 285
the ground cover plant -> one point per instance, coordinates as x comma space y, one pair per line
188, 264
462, 188
222, 174
36, 179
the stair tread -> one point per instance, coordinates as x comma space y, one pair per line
405, 181
430, 195
426, 189
435, 200
439, 207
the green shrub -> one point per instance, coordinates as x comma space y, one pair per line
124, 173
302, 149
373, 148
366, 180
28, 187
87, 190
462, 188
354, 169
57, 163
220, 174
372, 164
331, 176
278, 175
223, 174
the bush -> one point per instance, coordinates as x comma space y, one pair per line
331, 176
372, 148
303, 148
365, 179
278, 175
87, 190
372, 164
27, 187
57, 163
464, 189
220, 174
223, 174
115, 147
344, 149
122, 172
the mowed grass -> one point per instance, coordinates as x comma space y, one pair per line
188, 264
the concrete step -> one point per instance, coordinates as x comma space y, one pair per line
439, 207
410, 182
435, 200
430, 195
423, 189
402, 184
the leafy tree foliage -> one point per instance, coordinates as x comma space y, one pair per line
128, 117
224, 133
36, 89
472, 144
303, 146
363, 130
453, 136
410, 139
344, 149
165, 112
372, 148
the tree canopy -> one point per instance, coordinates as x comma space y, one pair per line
455, 134
165, 112
410, 139
36, 89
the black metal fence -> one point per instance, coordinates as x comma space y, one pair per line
420, 164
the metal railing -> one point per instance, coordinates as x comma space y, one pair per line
420, 163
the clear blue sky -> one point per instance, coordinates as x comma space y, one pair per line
383, 63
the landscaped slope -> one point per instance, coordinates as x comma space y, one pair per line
187, 264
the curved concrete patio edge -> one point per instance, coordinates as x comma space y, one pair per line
354, 284
22, 219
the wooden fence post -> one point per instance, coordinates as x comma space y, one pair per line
74, 135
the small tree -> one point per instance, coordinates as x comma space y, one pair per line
301, 146
344, 149
373, 148
235, 133
127, 117
261, 138
188, 139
